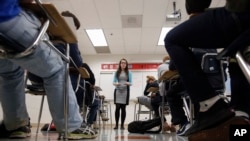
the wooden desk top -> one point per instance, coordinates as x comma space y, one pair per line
61, 30
167, 75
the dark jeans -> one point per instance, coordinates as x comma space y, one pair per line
80, 92
173, 97
240, 89
93, 111
212, 29
74, 53
156, 102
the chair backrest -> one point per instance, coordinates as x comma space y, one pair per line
243, 59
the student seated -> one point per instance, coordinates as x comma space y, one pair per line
222, 28
22, 27
146, 98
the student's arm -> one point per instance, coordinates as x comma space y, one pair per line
146, 90
75, 54
75, 19
91, 74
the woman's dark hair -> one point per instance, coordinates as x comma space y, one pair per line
119, 70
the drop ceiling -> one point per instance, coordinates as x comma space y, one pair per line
130, 26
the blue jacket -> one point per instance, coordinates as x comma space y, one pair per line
9, 9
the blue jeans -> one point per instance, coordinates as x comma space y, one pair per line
44, 62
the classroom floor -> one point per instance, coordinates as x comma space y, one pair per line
106, 134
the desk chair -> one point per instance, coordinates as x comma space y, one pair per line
104, 107
243, 59
140, 111
60, 30
165, 78
139, 106
215, 70
242, 56
34, 86
12, 52
83, 75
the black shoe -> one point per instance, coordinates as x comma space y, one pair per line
220, 132
4, 132
122, 128
218, 113
116, 127
183, 128
20, 133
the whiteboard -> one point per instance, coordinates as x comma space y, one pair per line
106, 84
137, 88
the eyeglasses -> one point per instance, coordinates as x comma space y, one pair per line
123, 62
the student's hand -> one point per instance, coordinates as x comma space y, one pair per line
67, 14
117, 84
153, 94
75, 19
127, 83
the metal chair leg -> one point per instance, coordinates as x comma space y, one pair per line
40, 114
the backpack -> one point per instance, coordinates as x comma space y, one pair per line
148, 126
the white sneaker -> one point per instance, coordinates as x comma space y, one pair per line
82, 133
183, 129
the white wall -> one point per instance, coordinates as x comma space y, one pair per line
96, 61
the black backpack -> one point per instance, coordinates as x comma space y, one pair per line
145, 126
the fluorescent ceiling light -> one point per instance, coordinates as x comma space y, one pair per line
97, 37
164, 32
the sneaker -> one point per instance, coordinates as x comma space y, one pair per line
219, 132
91, 129
4, 132
217, 114
82, 133
52, 127
49, 127
22, 132
183, 128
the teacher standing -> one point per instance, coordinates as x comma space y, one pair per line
122, 82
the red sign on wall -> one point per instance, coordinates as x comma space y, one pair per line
132, 66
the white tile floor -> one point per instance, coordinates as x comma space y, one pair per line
106, 134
